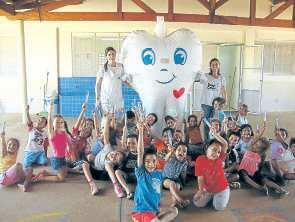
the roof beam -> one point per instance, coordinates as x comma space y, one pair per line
143, 6
220, 3
59, 4
7, 8
212, 10
140, 16
170, 10
279, 10
277, 1
205, 3
252, 11
119, 7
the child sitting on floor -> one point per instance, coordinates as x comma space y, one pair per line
252, 165
170, 122
212, 183
241, 118
232, 161
34, 152
59, 142
217, 112
174, 173
12, 172
193, 137
79, 146
126, 172
282, 159
161, 146
247, 137
148, 190
108, 159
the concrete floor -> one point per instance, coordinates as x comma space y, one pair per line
71, 201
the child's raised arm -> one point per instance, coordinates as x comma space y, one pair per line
201, 119
140, 145
50, 122
113, 121
3, 143
29, 120
221, 140
106, 130
96, 124
259, 134
81, 116
124, 135
169, 154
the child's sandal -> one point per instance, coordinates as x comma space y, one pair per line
185, 203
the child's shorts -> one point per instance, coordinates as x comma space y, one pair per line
10, 176
129, 177
57, 163
98, 174
34, 157
147, 216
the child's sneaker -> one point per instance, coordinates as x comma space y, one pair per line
118, 190
235, 185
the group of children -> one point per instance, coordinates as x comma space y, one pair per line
126, 152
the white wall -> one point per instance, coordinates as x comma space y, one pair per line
41, 51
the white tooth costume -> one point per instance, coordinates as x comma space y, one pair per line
162, 68
111, 97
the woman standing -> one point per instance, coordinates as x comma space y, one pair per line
108, 88
213, 86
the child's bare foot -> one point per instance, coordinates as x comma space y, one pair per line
94, 189
282, 192
174, 203
39, 176
22, 187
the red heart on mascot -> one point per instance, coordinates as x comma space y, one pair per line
178, 93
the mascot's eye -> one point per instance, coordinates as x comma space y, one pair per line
180, 56
148, 56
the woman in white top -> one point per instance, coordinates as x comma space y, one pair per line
108, 88
213, 86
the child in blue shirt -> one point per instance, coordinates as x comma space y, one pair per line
149, 184
218, 112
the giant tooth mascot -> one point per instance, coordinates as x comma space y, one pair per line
162, 68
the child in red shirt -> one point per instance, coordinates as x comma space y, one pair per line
78, 142
212, 183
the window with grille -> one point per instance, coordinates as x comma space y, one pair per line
278, 58
88, 51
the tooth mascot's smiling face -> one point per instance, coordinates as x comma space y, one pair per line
162, 69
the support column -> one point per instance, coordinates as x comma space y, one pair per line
22, 70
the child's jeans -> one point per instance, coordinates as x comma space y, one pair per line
220, 200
